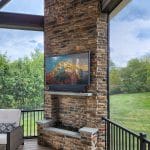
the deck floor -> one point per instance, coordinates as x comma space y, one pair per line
32, 145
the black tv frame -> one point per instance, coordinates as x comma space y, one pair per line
69, 88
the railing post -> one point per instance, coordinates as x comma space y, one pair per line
108, 135
142, 142
29, 130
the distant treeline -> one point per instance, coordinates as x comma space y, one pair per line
133, 78
22, 81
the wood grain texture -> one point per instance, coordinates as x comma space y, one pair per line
32, 145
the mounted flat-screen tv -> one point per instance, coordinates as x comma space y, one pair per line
69, 72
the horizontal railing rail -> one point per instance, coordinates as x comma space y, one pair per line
120, 138
28, 121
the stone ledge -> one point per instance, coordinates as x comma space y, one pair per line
63, 132
88, 130
70, 93
42, 122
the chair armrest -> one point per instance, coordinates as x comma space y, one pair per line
14, 138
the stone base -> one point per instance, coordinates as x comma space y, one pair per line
60, 139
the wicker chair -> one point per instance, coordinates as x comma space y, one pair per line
13, 139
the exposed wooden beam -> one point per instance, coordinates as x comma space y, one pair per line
3, 3
109, 5
119, 8
21, 21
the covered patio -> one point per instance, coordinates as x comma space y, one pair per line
76, 26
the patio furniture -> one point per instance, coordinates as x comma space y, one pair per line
12, 135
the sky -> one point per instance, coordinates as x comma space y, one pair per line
129, 32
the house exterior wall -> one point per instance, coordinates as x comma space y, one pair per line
75, 26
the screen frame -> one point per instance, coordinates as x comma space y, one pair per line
68, 88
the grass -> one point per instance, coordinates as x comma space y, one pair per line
132, 111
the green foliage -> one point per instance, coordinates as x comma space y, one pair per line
115, 80
22, 82
131, 79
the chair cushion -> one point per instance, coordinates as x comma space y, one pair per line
3, 138
7, 127
10, 116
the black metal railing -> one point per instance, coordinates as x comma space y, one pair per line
28, 121
120, 138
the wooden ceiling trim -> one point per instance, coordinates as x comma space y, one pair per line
109, 5
21, 21
3, 3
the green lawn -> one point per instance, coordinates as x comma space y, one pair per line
132, 111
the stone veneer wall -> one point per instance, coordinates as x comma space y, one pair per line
75, 26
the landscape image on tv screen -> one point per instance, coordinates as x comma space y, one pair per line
70, 69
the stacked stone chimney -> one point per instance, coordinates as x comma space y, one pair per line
75, 26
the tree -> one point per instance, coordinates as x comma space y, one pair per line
22, 81
115, 79
135, 77
111, 65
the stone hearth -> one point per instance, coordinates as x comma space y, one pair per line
57, 138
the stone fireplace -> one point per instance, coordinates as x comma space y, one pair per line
75, 26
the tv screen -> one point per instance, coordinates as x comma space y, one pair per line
68, 72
